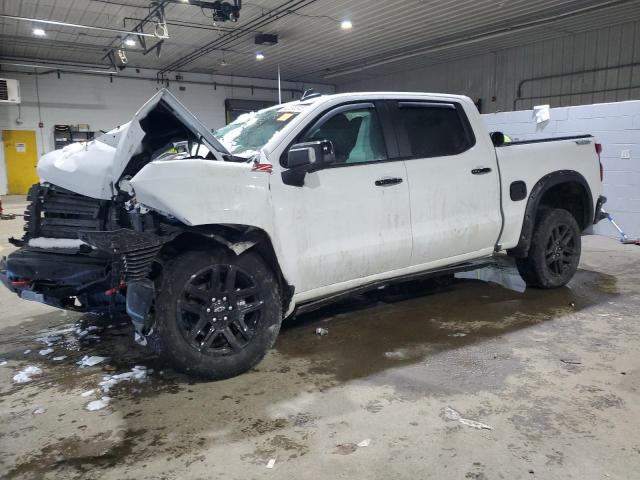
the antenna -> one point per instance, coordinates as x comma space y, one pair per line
279, 89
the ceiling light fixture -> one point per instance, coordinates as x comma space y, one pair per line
346, 25
259, 56
130, 42
39, 32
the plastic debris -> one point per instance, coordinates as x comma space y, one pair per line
454, 415
570, 362
88, 393
365, 443
98, 404
46, 351
24, 376
322, 331
59, 359
48, 340
271, 463
138, 373
91, 361
39, 410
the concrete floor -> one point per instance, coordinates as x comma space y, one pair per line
553, 373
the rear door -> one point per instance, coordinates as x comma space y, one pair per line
453, 182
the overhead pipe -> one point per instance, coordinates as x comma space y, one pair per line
214, 84
568, 74
586, 92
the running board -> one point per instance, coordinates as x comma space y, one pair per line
461, 267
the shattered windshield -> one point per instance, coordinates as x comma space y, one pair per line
251, 131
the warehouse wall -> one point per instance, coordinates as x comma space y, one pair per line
494, 77
75, 98
617, 127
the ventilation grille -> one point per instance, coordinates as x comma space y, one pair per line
4, 90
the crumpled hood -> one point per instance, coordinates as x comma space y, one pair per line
94, 167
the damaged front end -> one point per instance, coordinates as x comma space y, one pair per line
87, 255
89, 245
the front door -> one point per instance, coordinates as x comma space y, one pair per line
21, 158
352, 219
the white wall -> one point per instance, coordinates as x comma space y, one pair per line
497, 74
617, 127
75, 98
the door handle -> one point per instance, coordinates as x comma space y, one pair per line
481, 170
387, 182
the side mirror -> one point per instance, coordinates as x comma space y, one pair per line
306, 157
497, 138
313, 154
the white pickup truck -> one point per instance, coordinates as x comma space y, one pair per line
208, 240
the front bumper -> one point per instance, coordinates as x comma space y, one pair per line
64, 280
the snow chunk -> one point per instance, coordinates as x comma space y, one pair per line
91, 361
46, 351
39, 410
27, 352
365, 443
88, 393
59, 359
98, 404
138, 373
271, 463
24, 376
3, 363
49, 340
44, 242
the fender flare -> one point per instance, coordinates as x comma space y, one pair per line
533, 203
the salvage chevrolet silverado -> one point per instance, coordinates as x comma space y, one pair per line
208, 240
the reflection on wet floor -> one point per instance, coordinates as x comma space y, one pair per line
404, 323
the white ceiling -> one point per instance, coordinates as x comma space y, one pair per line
312, 46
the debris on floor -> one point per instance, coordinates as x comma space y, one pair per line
365, 443
322, 331
59, 359
88, 393
271, 463
24, 376
570, 362
39, 410
88, 361
454, 415
138, 373
27, 351
45, 351
345, 449
98, 404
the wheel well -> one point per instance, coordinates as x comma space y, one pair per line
570, 196
215, 236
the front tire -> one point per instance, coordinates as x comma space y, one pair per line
217, 313
555, 250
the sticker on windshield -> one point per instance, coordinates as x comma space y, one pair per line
293, 109
284, 117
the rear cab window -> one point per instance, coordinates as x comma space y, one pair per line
432, 129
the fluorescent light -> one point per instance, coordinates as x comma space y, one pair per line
259, 56
39, 32
130, 42
346, 25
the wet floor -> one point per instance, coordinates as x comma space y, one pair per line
546, 376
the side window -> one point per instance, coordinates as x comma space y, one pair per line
356, 136
434, 130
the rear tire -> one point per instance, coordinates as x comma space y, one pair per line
555, 250
217, 313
